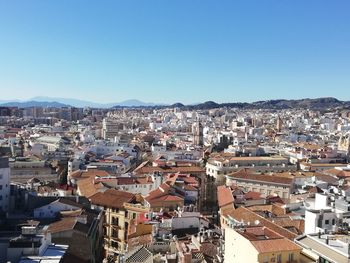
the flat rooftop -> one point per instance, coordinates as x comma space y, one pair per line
336, 250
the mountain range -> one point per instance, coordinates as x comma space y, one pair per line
65, 102
317, 103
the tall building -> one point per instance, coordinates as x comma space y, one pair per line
279, 124
344, 144
4, 184
110, 128
197, 132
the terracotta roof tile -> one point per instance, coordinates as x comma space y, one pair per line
225, 196
240, 175
246, 215
64, 224
112, 198
275, 245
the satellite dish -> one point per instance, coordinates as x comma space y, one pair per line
257, 222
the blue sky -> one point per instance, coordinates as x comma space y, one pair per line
170, 51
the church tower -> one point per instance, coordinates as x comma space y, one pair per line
197, 132
279, 124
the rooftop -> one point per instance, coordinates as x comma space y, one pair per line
266, 241
112, 198
337, 249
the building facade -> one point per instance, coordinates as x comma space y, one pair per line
4, 184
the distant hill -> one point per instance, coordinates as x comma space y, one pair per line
318, 103
302, 103
136, 103
75, 102
33, 103
55, 102
177, 105
84, 103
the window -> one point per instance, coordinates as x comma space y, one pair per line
0, 186
326, 222
333, 221
115, 244
290, 257
279, 258
115, 220
114, 233
322, 260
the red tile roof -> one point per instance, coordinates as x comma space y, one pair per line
252, 196
275, 245
112, 198
246, 215
225, 196
246, 176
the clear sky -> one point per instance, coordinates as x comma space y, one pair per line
173, 50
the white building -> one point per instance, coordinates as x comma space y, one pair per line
135, 185
110, 128
320, 215
219, 165
4, 184
51, 210
33, 245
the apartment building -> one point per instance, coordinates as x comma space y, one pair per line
266, 184
259, 244
4, 184
325, 248
110, 128
123, 211
220, 165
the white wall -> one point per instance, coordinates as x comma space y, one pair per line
312, 219
238, 249
50, 210
321, 201
188, 222
310, 222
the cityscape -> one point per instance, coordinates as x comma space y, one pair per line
174, 131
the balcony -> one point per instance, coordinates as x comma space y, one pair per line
116, 227
115, 238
